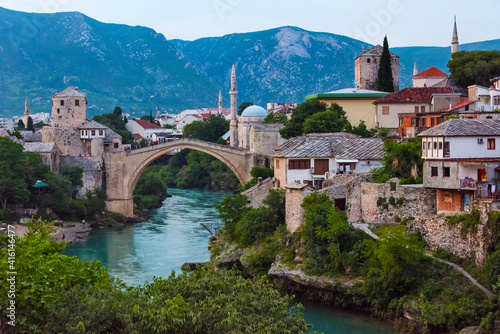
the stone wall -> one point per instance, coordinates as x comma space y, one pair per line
92, 173
388, 202
259, 192
295, 194
438, 233
67, 139
353, 198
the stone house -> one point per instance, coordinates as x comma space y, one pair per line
462, 161
312, 158
49, 151
366, 68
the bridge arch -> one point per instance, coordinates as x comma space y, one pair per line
125, 168
156, 153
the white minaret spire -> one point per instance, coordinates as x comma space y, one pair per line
220, 102
26, 107
454, 39
415, 68
234, 122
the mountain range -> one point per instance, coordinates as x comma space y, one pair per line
140, 70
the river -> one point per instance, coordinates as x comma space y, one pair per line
173, 236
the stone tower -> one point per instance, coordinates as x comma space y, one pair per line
233, 127
69, 108
454, 39
366, 68
220, 103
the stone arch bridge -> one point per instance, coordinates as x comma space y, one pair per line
123, 169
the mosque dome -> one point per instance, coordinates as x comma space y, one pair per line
228, 117
254, 111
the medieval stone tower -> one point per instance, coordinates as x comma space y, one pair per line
366, 68
233, 127
454, 39
69, 108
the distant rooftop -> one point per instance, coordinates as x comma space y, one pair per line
70, 92
431, 72
414, 95
39, 147
464, 128
348, 93
375, 51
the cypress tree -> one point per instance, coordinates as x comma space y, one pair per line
385, 81
20, 125
29, 126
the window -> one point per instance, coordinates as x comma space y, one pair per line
77, 103
424, 145
491, 143
440, 145
433, 121
101, 132
413, 122
385, 110
435, 145
58, 110
434, 171
446, 171
115, 145
446, 152
93, 132
321, 166
422, 109
62, 103
299, 164
368, 60
416, 109
277, 164
346, 167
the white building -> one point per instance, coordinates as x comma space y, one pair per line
188, 119
486, 99
312, 158
143, 128
461, 161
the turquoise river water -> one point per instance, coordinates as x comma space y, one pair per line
173, 236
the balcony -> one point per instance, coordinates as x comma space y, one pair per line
468, 183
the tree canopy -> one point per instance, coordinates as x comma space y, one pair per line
210, 129
295, 125
385, 80
117, 124
243, 106
474, 67
331, 120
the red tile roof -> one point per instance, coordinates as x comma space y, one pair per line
414, 95
431, 72
205, 115
146, 125
137, 136
464, 103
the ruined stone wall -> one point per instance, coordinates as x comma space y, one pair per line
353, 198
67, 139
92, 173
390, 202
438, 233
294, 211
259, 192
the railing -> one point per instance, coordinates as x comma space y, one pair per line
468, 182
446, 153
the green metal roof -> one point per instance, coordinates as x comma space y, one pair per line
354, 95
40, 184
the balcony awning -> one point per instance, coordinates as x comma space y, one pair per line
346, 160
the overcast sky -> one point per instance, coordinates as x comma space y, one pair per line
406, 23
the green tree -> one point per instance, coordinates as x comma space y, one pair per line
210, 129
231, 209
15, 133
29, 126
399, 160
275, 119
385, 80
20, 125
362, 131
243, 106
118, 111
295, 125
13, 185
474, 67
331, 120
39, 125
117, 124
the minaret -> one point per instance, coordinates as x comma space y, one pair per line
220, 102
454, 39
233, 127
26, 107
415, 68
